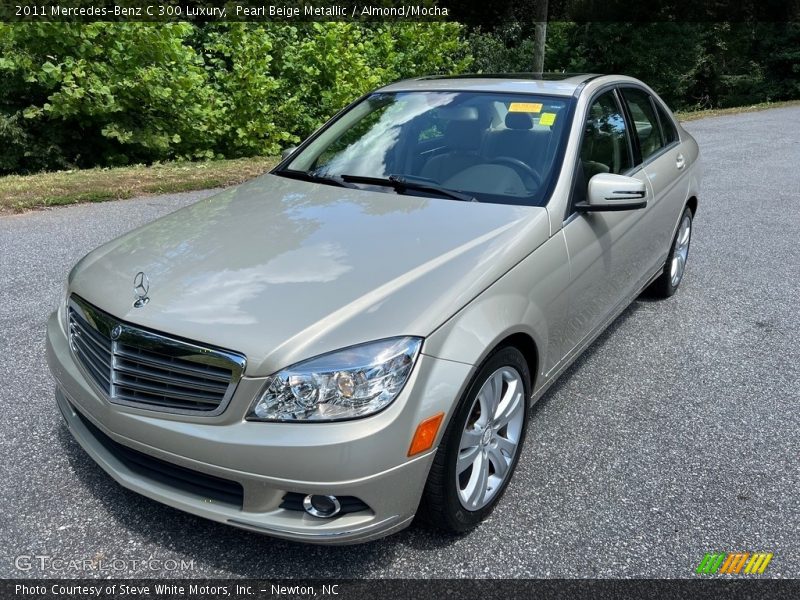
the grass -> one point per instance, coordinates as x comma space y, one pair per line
21, 193
693, 115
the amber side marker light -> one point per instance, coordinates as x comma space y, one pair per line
425, 435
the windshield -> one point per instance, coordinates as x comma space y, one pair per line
488, 147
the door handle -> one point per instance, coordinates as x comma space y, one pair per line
680, 162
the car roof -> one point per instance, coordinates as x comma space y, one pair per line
553, 84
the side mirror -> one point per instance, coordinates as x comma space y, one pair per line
288, 152
608, 192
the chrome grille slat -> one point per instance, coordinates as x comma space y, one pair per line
99, 364
96, 363
98, 372
149, 370
101, 361
123, 383
147, 358
156, 400
94, 336
129, 368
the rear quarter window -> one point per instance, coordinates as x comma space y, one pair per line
667, 125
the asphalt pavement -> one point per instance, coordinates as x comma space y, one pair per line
677, 433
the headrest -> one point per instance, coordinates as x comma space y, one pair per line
464, 135
458, 113
519, 120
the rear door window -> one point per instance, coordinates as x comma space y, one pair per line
645, 121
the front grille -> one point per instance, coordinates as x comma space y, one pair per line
187, 480
138, 367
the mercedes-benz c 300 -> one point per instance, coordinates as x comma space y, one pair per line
357, 337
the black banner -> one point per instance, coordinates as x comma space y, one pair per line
483, 589
472, 12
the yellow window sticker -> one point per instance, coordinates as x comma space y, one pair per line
547, 119
526, 107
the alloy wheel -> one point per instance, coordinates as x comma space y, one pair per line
681, 252
491, 438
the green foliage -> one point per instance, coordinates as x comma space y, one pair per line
117, 93
94, 93
278, 83
506, 49
691, 65
745, 63
104, 94
665, 55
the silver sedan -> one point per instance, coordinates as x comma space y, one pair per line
357, 337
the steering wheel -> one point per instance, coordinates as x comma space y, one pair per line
520, 167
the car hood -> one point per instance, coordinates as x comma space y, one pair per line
282, 270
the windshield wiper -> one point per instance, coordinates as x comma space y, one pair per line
401, 184
306, 176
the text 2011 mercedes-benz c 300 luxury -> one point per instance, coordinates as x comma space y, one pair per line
357, 337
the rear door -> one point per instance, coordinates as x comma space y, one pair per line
657, 146
606, 249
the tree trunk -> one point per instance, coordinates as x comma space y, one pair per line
539, 35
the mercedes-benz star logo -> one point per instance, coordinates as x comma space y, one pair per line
141, 285
116, 332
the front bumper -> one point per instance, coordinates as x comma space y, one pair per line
364, 458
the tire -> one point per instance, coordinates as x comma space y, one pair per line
445, 501
675, 267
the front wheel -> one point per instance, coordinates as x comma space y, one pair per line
668, 282
481, 446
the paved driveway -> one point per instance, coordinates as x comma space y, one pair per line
677, 433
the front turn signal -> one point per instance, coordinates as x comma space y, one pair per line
425, 435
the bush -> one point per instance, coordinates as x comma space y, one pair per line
100, 94
277, 84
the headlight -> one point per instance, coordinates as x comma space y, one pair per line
349, 383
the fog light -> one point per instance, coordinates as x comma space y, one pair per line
324, 507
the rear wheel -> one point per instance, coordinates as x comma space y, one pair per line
668, 282
481, 446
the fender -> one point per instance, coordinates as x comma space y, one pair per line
530, 299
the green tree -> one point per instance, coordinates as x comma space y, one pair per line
665, 55
278, 83
112, 93
84, 94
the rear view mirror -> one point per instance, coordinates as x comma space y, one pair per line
288, 152
608, 192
